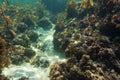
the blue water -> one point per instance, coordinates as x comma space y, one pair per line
53, 6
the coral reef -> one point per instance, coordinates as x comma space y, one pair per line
85, 69
87, 33
91, 43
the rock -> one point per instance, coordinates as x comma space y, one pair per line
24, 78
110, 29
57, 73
17, 59
28, 21
2, 77
22, 27
44, 63
22, 40
33, 36
45, 24
29, 53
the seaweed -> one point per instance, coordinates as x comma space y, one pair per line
4, 55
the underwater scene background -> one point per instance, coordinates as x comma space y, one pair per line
59, 39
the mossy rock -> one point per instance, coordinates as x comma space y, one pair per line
33, 36
71, 9
110, 30
29, 53
23, 40
28, 21
45, 24
22, 27
2, 77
